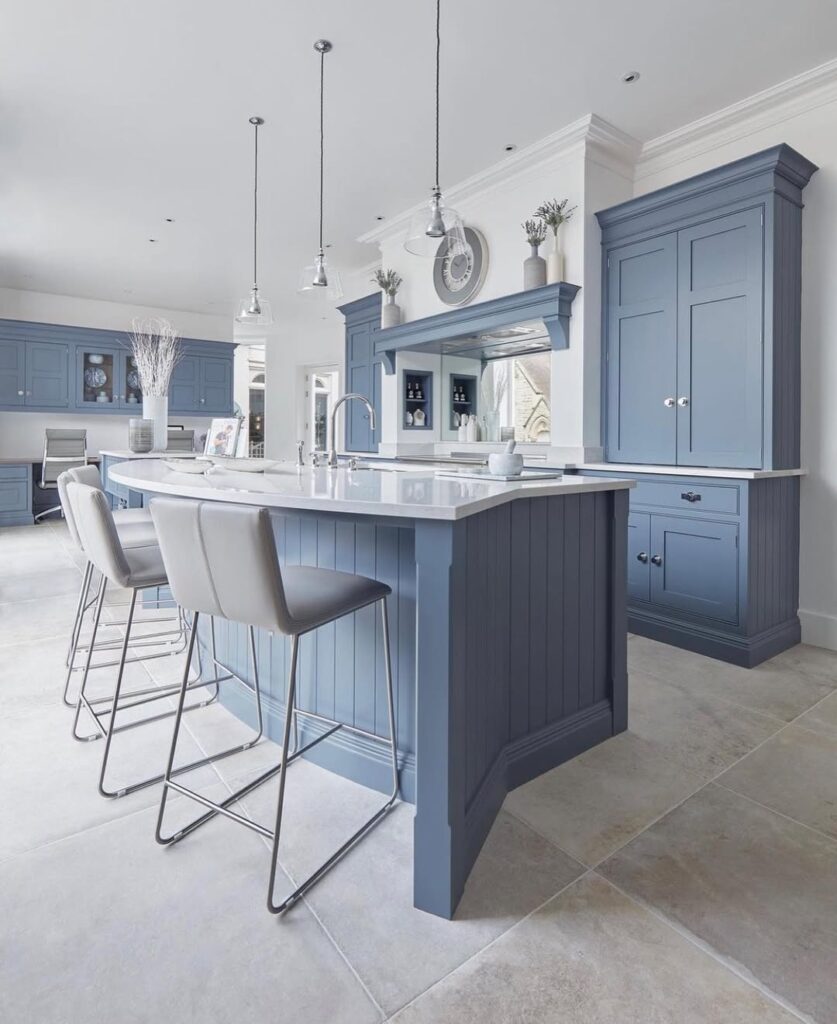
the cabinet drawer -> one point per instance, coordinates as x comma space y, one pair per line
696, 496
14, 472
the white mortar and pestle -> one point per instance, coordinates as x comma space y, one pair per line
506, 463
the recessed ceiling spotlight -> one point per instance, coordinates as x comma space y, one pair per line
152, 239
380, 217
630, 77
509, 147
169, 220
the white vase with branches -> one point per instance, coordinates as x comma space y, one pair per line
156, 348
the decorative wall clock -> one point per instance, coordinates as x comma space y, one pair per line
458, 276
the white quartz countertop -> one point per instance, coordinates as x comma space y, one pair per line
124, 453
409, 493
726, 474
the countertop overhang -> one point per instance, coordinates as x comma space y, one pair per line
403, 493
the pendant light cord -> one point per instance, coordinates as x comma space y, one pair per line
255, 205
322, 140
438, 49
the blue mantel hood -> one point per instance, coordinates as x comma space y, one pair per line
532, 321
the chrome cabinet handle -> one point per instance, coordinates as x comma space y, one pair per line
642, 557
682, 401
657, 559
668, 403
690, 496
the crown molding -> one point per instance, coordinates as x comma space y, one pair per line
612, 145
794, 96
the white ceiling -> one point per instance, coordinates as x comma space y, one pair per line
114, 116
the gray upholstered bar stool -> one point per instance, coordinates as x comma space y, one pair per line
135, 529
244, 583
133, 568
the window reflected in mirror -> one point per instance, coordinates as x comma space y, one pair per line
509, 397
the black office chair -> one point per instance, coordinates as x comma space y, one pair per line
63, 449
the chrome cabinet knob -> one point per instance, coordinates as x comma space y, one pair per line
683, 401
20, 393
642, 556
202, 401
668, 403
656, 559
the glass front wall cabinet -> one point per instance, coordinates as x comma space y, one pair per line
97, 377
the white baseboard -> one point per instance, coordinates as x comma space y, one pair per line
819, 630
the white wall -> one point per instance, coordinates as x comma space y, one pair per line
812, 133
22, 433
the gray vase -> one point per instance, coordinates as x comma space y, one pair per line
140, 435
534, 270
390, 313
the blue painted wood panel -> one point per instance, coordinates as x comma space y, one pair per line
698, 566
641, 351
719, 342
12, 373
216, 385
16, 495
47, 375
363, 377
184, 392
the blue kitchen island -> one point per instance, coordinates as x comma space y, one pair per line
508, 623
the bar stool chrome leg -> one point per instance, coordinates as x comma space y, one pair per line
286, 759
272, 905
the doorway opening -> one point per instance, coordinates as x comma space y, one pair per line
322, 388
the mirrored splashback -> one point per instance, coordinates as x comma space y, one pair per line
508, 395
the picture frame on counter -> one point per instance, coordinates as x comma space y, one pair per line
222, 437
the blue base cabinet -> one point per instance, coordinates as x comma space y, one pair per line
50, 367
16, 495
713, 564
363, 371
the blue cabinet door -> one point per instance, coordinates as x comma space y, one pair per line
47, 375
216, 386
184, 390
639, 543
363, 374
12, 373
719, 342
694, 566
641, 351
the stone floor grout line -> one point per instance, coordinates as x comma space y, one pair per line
728, 964
488, 945
772, 810
548, 839
718, 696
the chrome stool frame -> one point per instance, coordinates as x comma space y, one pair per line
288, 756
120, 703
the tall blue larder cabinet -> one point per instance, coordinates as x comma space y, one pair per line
363, 372
701, 349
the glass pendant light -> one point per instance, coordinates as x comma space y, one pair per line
318, 279
433, 225
254, 310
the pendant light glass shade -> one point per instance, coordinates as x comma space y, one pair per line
437, 223
432, 225
254, 310
318, 279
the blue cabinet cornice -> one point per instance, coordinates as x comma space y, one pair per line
549, 306
779, 170
367, 308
